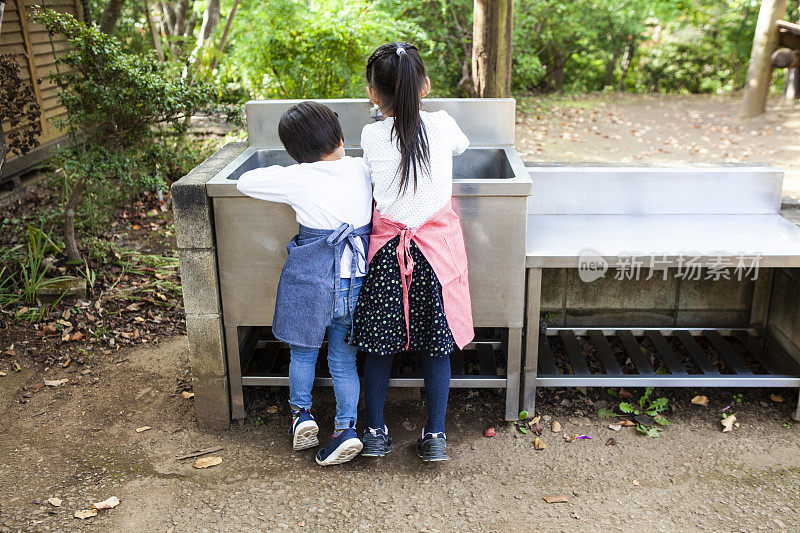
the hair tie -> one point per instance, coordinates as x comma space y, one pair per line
400, 51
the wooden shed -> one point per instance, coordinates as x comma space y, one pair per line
20, 34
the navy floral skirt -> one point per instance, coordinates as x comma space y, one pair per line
379, 324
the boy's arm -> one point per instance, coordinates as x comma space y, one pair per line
269, 183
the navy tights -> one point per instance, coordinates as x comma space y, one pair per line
437, 386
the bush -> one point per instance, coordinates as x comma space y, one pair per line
305, 50
127, 110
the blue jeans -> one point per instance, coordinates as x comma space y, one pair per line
341, 362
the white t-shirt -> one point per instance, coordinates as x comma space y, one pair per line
323, 194
434, 187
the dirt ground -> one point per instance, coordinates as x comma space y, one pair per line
659, 128
78, 441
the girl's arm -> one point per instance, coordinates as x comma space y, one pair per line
460, 141
269, 183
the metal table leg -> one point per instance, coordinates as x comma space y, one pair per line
532, 311
514, 351
234, 372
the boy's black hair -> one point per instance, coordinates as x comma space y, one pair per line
309, 131
395, 71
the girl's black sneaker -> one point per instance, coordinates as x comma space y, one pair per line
377, 442
432, 447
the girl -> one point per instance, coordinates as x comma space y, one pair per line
416, 293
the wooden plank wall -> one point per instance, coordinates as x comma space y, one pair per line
20, 34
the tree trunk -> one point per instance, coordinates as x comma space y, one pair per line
626, 63
610, 68
491, 47
791, 90
87, 13
153, 31
210, 21
557, 72
111, 15
224, 40
756, 89
70, 242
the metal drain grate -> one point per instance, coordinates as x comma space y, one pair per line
482, 363
658, 357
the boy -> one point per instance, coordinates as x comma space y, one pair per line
332, 198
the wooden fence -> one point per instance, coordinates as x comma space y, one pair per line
20, 34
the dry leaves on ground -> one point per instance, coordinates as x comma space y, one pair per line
55, 382
615, 427
489, 433
558, 498
55, 502
727, 423
110, 503
272, 409
143, 428
538, 444
700, 400
85, 513
187, 394
555, 427
207, 462
776, 398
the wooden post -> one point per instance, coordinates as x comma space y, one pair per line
491, 47
26, 38
765, 41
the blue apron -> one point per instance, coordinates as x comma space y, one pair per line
310, 279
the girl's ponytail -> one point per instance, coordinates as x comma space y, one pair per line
396, 73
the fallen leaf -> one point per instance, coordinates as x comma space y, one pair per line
536, 419
727, 423
489, 433
555, 427
700, 400
187, 394
536, 428
66, 363
206, 462
570, 438
55, 382
55, 502
776, 398
107, 504
625, 394
615, 427
635, 483
77, 336
538, 444
558, 498
86, 513
272, 409
627, 423
301, 523
611, 441
143, 428
49, 329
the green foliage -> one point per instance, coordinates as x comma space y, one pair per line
118, 96
32, 271
308, 49
644, 406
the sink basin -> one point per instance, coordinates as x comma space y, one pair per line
489, 171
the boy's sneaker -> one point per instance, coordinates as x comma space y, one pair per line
432, 446
377, 442
304, 431
340, 449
